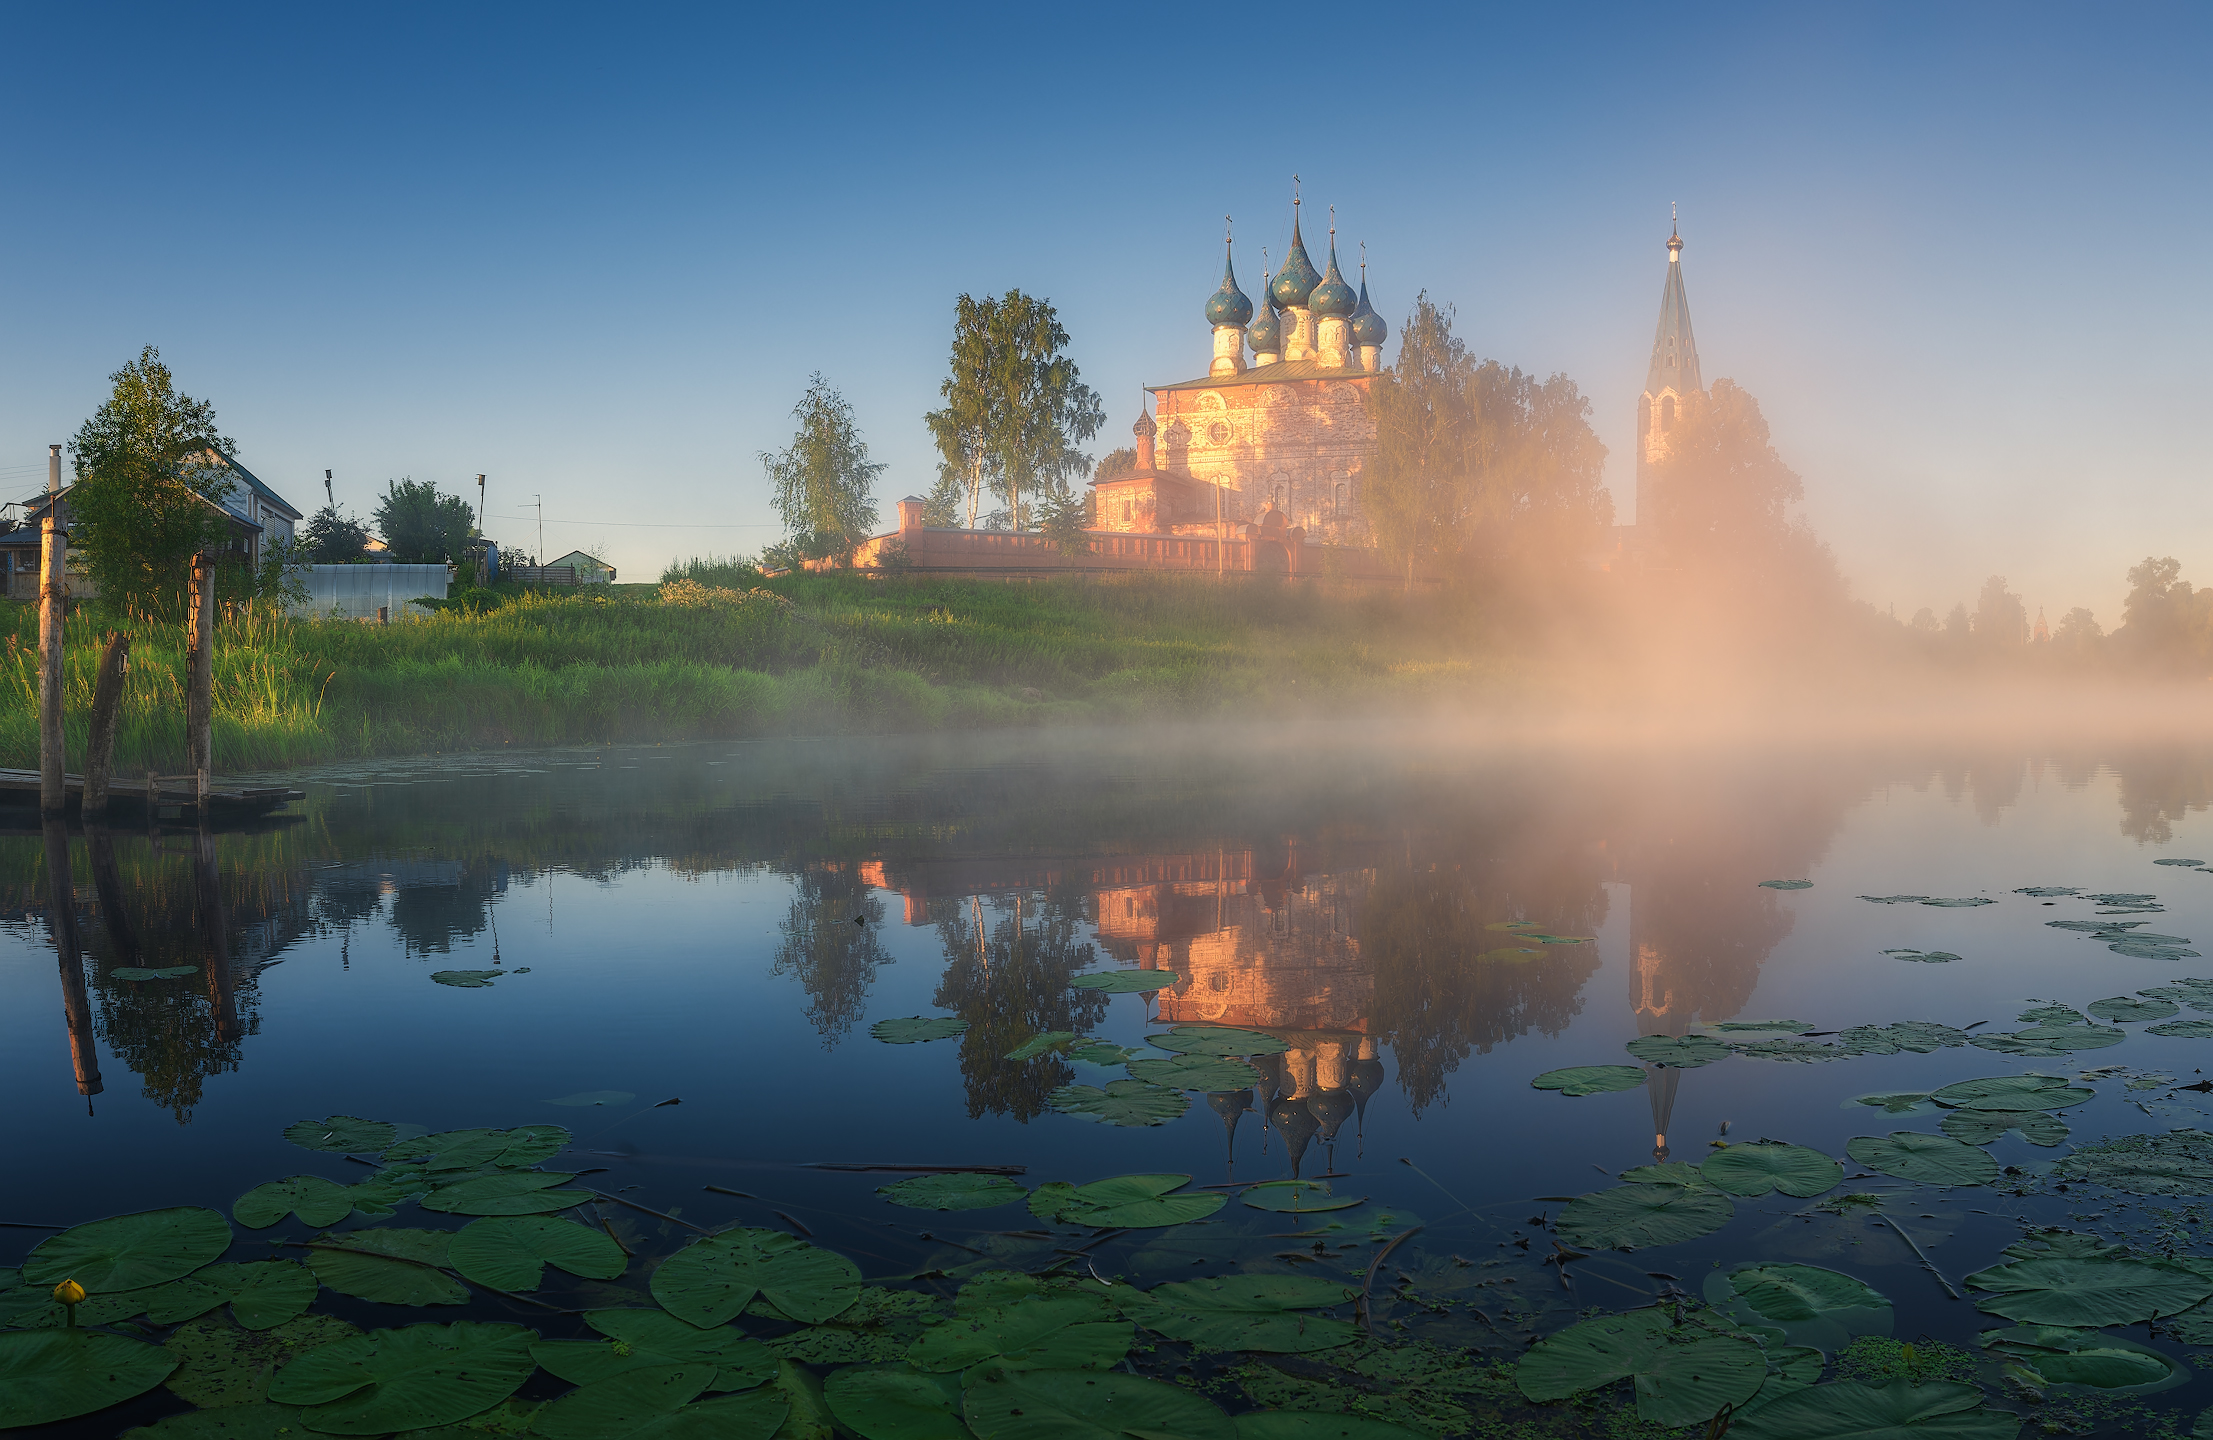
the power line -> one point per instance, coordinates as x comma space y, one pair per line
643, 524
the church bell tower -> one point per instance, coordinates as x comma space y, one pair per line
1672, 377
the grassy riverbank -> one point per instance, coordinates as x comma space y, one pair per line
803, 655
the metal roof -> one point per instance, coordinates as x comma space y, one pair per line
1283, 372
1674, 350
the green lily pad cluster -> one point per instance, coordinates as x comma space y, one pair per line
2128, 937
1127, 982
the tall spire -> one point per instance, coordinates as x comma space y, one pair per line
1674, 350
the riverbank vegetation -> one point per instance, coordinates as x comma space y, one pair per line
802, 654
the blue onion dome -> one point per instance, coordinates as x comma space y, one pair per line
1333, 296
1297, 279
1265, 333
1367, 326
1228, 305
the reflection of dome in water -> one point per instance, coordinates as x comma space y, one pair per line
1271, 1075
1330, 1109
1364, 1078
1297, 1125
1231, 1105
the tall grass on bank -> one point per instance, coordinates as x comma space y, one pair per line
808, 654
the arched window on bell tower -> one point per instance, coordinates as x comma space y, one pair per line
1667, 413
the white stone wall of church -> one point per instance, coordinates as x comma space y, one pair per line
1305, 439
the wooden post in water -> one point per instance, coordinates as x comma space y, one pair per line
61, 923
107, 705
199, 740
53, 596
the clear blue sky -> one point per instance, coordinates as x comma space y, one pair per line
1959, 252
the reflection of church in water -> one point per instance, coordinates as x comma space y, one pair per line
1258, 943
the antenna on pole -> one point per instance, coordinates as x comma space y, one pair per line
328, 498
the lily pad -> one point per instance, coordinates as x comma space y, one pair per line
222, 1367
507, 1192
1756, 1169
1246, 1312
1075, 1332
657, 1404
424, 1247
916, 1028
1126, 982
341, 1133
2120, 899
50, 1375
709, 1281
2058, 1355
1196, 1072
1794, 1049
1786, 884
2012, 1092
511, 1252
1122, 1102
1813, 1306
1590, 1079
2088, 1292
1087, 1405
317, 1202
141, 972
406, 1379
385, 1279
1632, 1216
1790, 1027
1136, 1202
646, 1339
2178, 1163
2183, 1029
468, 979
1317, 1425
2053, 1015
1923, 957
1981, 1127
2050, 1040
1681, 1052
1962, 903
1895, 899
1297, 1197
473, 1149
1217, 1040
1043, 1044
1900, 1410
2124, 1008
587, 1098
1924, 1159
261, 1294
1895, 1102
2046, 892
896, 1402
2147, 950
1099, 1052
1684, 1374
130, 1252
2172, 861
1922, 1037
953, 1192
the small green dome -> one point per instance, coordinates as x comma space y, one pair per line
1367, 326
1228, 305
1333, 296
1265, 333
1297, 279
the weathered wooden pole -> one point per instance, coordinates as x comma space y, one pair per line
61, 923
53, 596
199, 705
107, 707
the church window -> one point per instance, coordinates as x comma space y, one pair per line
1218, 432
1125, 512
1667, 412
1340, 497
1279, 497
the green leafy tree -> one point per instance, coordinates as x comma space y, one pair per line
2078, 632
149, 486
333, 537
2166, 624
1015, 411
1722, 488
1066, 520
1416, 481
823, 483
2001, 617
422, 525
1116, 462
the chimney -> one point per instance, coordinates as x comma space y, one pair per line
910, 514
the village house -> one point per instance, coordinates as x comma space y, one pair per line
258, 517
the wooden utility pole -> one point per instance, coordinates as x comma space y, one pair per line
199, 706
53, 596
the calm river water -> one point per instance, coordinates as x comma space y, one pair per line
694, 943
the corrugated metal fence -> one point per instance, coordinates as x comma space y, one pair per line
357, 592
